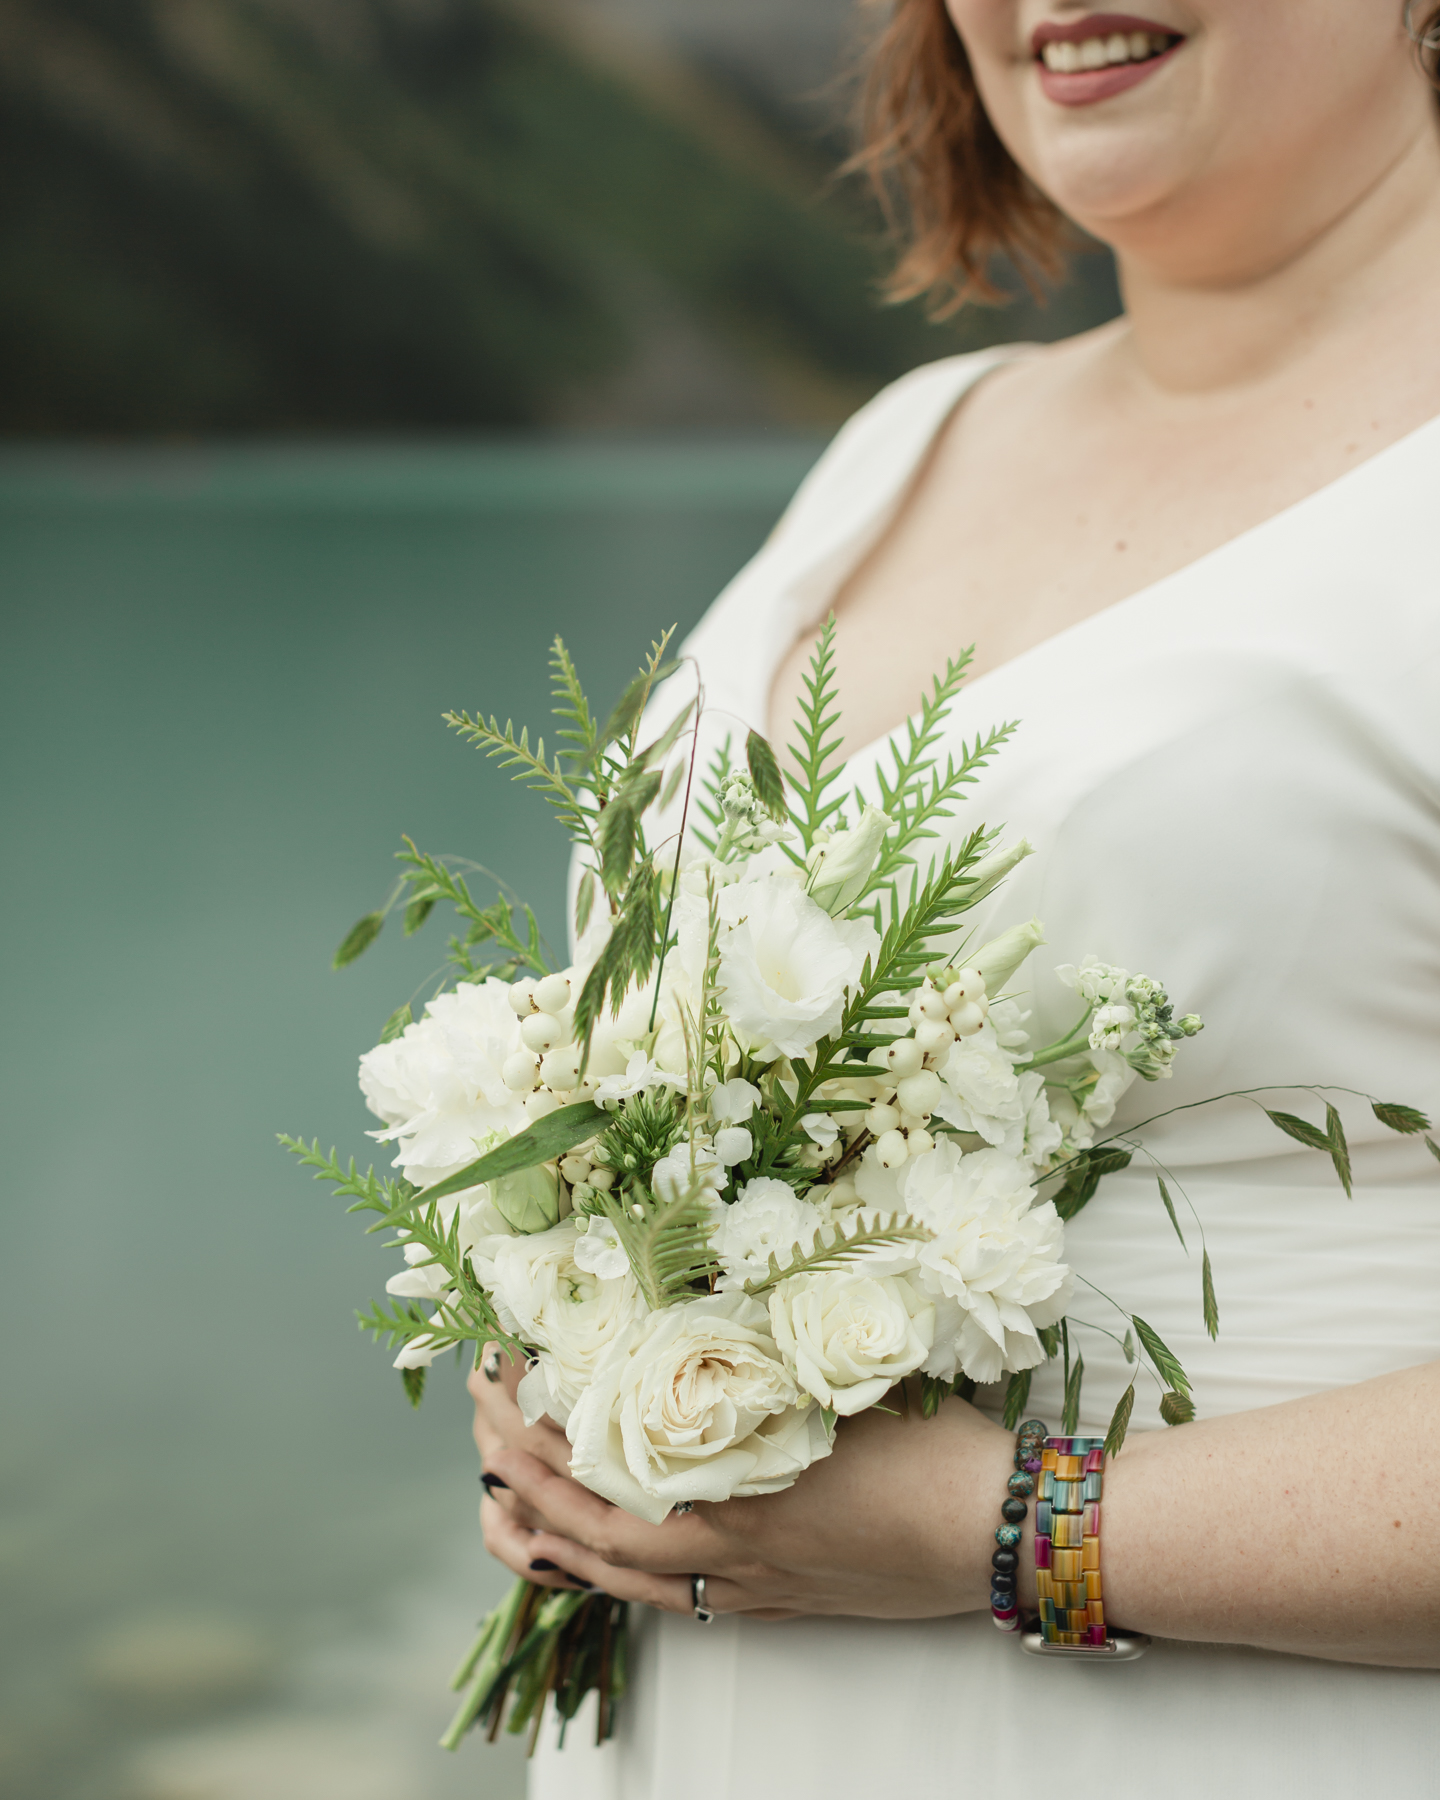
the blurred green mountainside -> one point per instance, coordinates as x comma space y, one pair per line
412, 214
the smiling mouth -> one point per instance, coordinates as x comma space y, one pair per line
1099, 55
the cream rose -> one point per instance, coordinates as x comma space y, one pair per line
693, 1403
850, 1337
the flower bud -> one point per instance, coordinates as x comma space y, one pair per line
890, 1150
904, 1057
528, 1200
1002, 956
992, 869
541, 1031
920, 1093
519, 1071
604, 1179
881, 1119
840, 867
522, 998
552, 995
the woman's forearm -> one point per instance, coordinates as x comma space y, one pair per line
1309, 1527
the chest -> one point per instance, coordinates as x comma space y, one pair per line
1034, 510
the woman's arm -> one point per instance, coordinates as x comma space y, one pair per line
1309, 1527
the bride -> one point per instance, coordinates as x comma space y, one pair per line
1196, 552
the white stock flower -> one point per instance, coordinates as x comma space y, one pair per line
640, 1074
768, 1217
1116, 1075
693, 1403
995, 1254
438, 1086
692, 1165
598, 1249
1094, 981
850, 1337
732, 1102
543, 1295
820, 1128
733, 1144
785, 965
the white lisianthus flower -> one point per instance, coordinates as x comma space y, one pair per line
571, 1314
785, 965
994, 1252
841, 864
693, 1403
640, 1074
768, 1218
991, 870
732, 1102
438, 1086
850, 1337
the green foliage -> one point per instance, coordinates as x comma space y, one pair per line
358, 939
933, 1394
817, 764
1083, 1175
1017, 1397
628, 955
1433, 1148
1404, 1119
1338, 1148
395, 1025
417, 912
669, 1244
636, 1138
707, 802
839, 1243
491, 943
541, 1142
1167, 1364
1176, 1407
1302, 1132
1120, 1421
765, 773
1208, 1301
1070, 1420
1170, 1208
413, 1381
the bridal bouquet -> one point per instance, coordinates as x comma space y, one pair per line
774, 1141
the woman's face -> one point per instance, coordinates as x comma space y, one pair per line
1199, 116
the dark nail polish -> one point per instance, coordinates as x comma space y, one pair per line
490, 1482
542, 1565
577, 1581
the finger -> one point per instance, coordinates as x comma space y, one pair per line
669, 1593
682, 1544
515, 1546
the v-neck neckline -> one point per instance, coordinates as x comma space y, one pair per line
866, 531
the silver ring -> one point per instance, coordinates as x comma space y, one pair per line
701, 1611
490, 1364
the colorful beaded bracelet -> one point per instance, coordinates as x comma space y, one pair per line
1067, 1556
1030, 1441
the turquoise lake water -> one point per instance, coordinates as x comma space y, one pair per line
233, 1562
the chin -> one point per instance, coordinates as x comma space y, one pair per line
1106, 181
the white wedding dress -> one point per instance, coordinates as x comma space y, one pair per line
1232, 780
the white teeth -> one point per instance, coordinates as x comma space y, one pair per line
1100, 53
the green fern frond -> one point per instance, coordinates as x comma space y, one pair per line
669, 1248
816, 760
707, 802
581, 731
838, 1243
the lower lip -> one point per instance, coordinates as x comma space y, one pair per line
1085, 86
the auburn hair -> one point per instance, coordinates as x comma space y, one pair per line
951, 192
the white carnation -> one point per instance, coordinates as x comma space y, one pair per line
438, 1085
768, 1218
693, 1403
785, 965
994, 1253
982, 1091
850, 1337
569, 1313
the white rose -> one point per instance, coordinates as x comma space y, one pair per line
438, 1086
785, 965
850, 1337
768, 1218
693, 1403
543, 1295
995, 1253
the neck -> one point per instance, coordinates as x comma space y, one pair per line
1323, 274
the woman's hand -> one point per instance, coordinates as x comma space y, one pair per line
898, 1522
